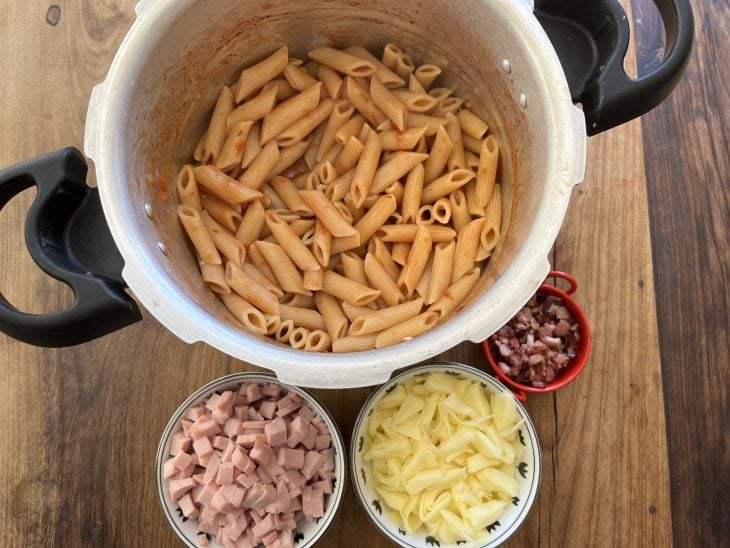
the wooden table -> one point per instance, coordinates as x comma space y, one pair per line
635, 452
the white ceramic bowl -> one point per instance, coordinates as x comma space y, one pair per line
528, 467
309, 532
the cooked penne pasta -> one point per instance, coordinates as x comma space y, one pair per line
288, 156
493, 220
457, 160
288, 239
366, 168
348, 290
327, 173
343, 62
471, 144
353, 127
187, 188
487, 172
298, 78
453, 298
282, 266
322, 244
349, 156
354, 268
384, 74
272, 324
232, 151
470, 192
416, 262
426, 74
418, 120
441, 271
226, 215
251, 290
226, 244
404, 66
288, 112
254, 109
361, 100
450, 105
289, 194
224, 187
391, 54
332, 314
379, 279
340, 187
340, 115
442, 210
376, 216
216, 134
284, 331
328, 213
445, 185
407, 233
394, 169
472, 160
302, 317
257, 267
345, 243
253, 221
467, 243
198, 234
260, 169
425, 215
412, 193
254, 78
253, 145
331, 81
283, 89
471, 124
415, 86
425, 281
354, 344
214, 276
298, 338
198, 152
380, 251
378, 321
401, 140
388, 104
407, 329
400, 252
441, 93
318, 341
352, 311
297, 299
250, 316
306, 124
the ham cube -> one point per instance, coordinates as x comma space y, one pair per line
194, 413
202, 447
294, 478
186, 424
180, 442
268, 409
288, 410
306, 413
178, 487
324, 485
233, 494
329, 460
248, 440
212, 402
282, 497
226, 402
265, 526
188, 507
206, 495
203, 428
270, 539
169, 469
228, 451
323, 442
261, 452
212, 469
297, 431
267, 497
208, 515
313, 505
276, 433
290, 458
232, 427
253, 392
241, 412
296, 503
264, 476
313, 460
225, 473
203, 540
247, 480
321, 425
240, 460
286, 537
220, 503
272, 390
220, 443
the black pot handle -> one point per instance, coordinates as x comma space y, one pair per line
591, 38
67, 237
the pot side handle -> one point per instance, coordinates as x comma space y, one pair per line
591, 40
67, 237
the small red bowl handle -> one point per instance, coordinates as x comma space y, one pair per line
519, 394
568, 278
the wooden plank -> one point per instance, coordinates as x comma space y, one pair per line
689, 197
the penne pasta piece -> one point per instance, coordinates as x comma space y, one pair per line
353, 312
397, 140
426, 74
310, 157
295, 61
391, 54
250, 316
441, 271
400, 252
298, 300
471, 144
224, 187
214, 276
253, 146
394, 169
467, 243
388, 104
471, 124
407, 329
354, 344
397, 189
345, 243
331, 81
288, 239
322, 244
404, 66
260, 169
349, 156
232, 151
384, 74
472, 160
298, 338
470, 192
379, 279
450, 105
288, 156
306, 124
344, 211
343, 62
254, 78
318, 341
380, 251
328, 213
254, 109
312, 68
284, 331
487, 173
198, 152
442, 210
460, 216
366, 168
493, 220
338, 188
272, 324
412, 193
327, 173
199, 235
418, 120
416, 262
425, 281
348, 290
253, 221
375, 322
288, 112
445, 185
257, 267
216, 134
354, 268
454, 296
416, 102
251, 290
425, 215
332, 314
407, 233
289, 194
361, 100
441, 93
302, 317
330, 156
457, 160
415, 86
283, 89
341, 114
285, 272
226, 244
376, 217
298, 78
187, 188
286, 215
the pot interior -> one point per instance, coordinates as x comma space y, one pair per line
197, 46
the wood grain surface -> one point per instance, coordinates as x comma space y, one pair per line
635, 451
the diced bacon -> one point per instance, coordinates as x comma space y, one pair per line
290, 458
324, 485
276, 433
225, 474
220, 503
268, 409
253, 392
212, 402
261, 452
194, 413
313, 460
169, 469
188, 507
202, 447
265, 526
272, 390
180, 441
202, 428
323, 442
313, 505
233, 494
297, 431
178, 487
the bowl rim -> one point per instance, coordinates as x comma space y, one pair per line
311, 399
576, 364
470, 370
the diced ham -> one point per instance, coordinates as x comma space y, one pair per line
295, 478
312, 502
288, 410
253, 392
203, 427
225, 473
307, 413
180, 442
323, 442
202, 447
313, 460
227, 401
265, 526
296, 503
282, 497
194, 413
261, 452
272, 390
329, 460
228, 451
208, 514
324, 485
286, 537
270, 539
290, 458
268, 496
264, 476
203, 540
169, 469
233, 494
220, 503
188, 507
321, 425
241, 411
186, 424
212, 402
248, 440
220, 442
297, 431
268, 409
179, 487
248, 480
276, 433
232, 427
211, 470
206, 495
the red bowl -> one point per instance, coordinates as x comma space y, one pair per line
576, 365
